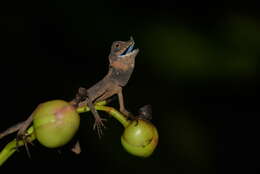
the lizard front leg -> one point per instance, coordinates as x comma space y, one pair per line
83, 94
98, 120
117, 90
112, 91
121, 102
122, 105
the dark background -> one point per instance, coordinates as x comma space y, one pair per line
196, 67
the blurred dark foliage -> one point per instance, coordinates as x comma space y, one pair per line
196, 67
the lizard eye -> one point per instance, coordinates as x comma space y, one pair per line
116, 47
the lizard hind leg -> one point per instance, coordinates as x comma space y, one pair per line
11, 130
21, 135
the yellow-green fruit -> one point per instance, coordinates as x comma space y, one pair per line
140, 138
55, 123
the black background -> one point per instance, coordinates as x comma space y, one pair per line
196, 67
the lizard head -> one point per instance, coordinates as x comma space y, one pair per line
122, 49
122, 61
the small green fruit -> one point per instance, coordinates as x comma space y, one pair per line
55, 123
140, 138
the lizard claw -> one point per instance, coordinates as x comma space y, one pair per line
21, 136
98, 125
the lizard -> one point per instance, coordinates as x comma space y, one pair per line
121, 65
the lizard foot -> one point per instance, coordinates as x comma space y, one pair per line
23, 137
98, 125
127, 114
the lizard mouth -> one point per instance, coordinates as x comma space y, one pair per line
129, 50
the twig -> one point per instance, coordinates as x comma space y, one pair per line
11, 147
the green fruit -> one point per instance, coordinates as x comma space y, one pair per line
55, 123
140, 138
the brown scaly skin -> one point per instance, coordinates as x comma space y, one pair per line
121, 66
